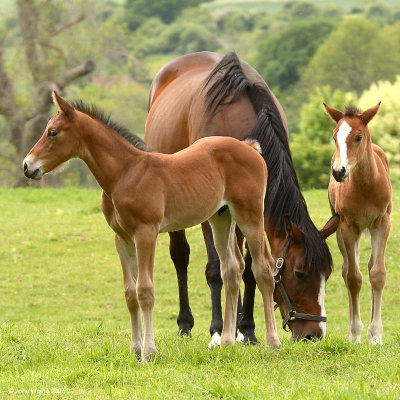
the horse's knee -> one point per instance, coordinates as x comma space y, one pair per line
353, 280
231, 274
145, 295
131, 298
377, 276
263, 276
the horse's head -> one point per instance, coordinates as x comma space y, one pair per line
303, 266
351, 137
57, 145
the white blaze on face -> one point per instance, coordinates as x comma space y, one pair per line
342, 134
321, 302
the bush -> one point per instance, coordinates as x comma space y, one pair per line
385, 126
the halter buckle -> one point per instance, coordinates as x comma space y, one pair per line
279, 262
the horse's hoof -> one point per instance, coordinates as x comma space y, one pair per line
184, 332
137, 351
148, 355
250, 338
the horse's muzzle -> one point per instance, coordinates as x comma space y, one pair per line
340, 175
32, 170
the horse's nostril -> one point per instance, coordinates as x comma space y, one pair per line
25, 167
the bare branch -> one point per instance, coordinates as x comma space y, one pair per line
73, 21
75, 73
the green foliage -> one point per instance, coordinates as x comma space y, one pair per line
281, 57
312, 148
356, 54
300, 9
385, 127
312, 160
193, 31
137, 11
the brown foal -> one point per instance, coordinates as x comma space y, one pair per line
361, 193
144, 193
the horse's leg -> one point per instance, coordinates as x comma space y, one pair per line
145, 240
232, 266
179, 250
348, 242
127, 254
246, 324
377, 277
262, 263
214, 281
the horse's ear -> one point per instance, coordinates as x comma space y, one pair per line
336, 115
63, 105
330, 227
292, 231
367, 115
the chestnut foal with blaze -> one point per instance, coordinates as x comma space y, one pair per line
144, 193
361, 193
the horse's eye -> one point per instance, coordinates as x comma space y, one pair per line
300, 275
53, 132
358, 138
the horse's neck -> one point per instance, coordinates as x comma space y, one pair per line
365, 172
107, 154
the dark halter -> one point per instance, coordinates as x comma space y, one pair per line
292, 314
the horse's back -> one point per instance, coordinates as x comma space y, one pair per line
178, 110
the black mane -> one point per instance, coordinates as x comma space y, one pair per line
283, 196
101, 116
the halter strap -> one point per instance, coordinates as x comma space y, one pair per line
292, 314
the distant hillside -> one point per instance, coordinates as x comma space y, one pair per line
272, 6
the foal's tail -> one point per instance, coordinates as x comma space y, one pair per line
254, 144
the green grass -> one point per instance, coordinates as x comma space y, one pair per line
64, 327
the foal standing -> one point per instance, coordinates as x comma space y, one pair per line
144, 193
361, 193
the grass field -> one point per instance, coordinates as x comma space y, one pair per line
64, 327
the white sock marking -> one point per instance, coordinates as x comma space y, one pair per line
321, 302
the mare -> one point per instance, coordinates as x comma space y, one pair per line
361, 193
145, 193
204, 94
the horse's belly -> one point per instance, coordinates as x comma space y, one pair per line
189, 216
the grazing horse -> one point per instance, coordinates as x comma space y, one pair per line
361, 193
204, 94
145, 193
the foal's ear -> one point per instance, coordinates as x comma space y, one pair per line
63, 106
330, 227
367, 115
292, 231
336, 115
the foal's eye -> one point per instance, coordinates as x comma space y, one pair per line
358, 138
300, 275
53, 132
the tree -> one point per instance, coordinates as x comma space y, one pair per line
356, 54
137, 11
281, 57
385, 126
46, 72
